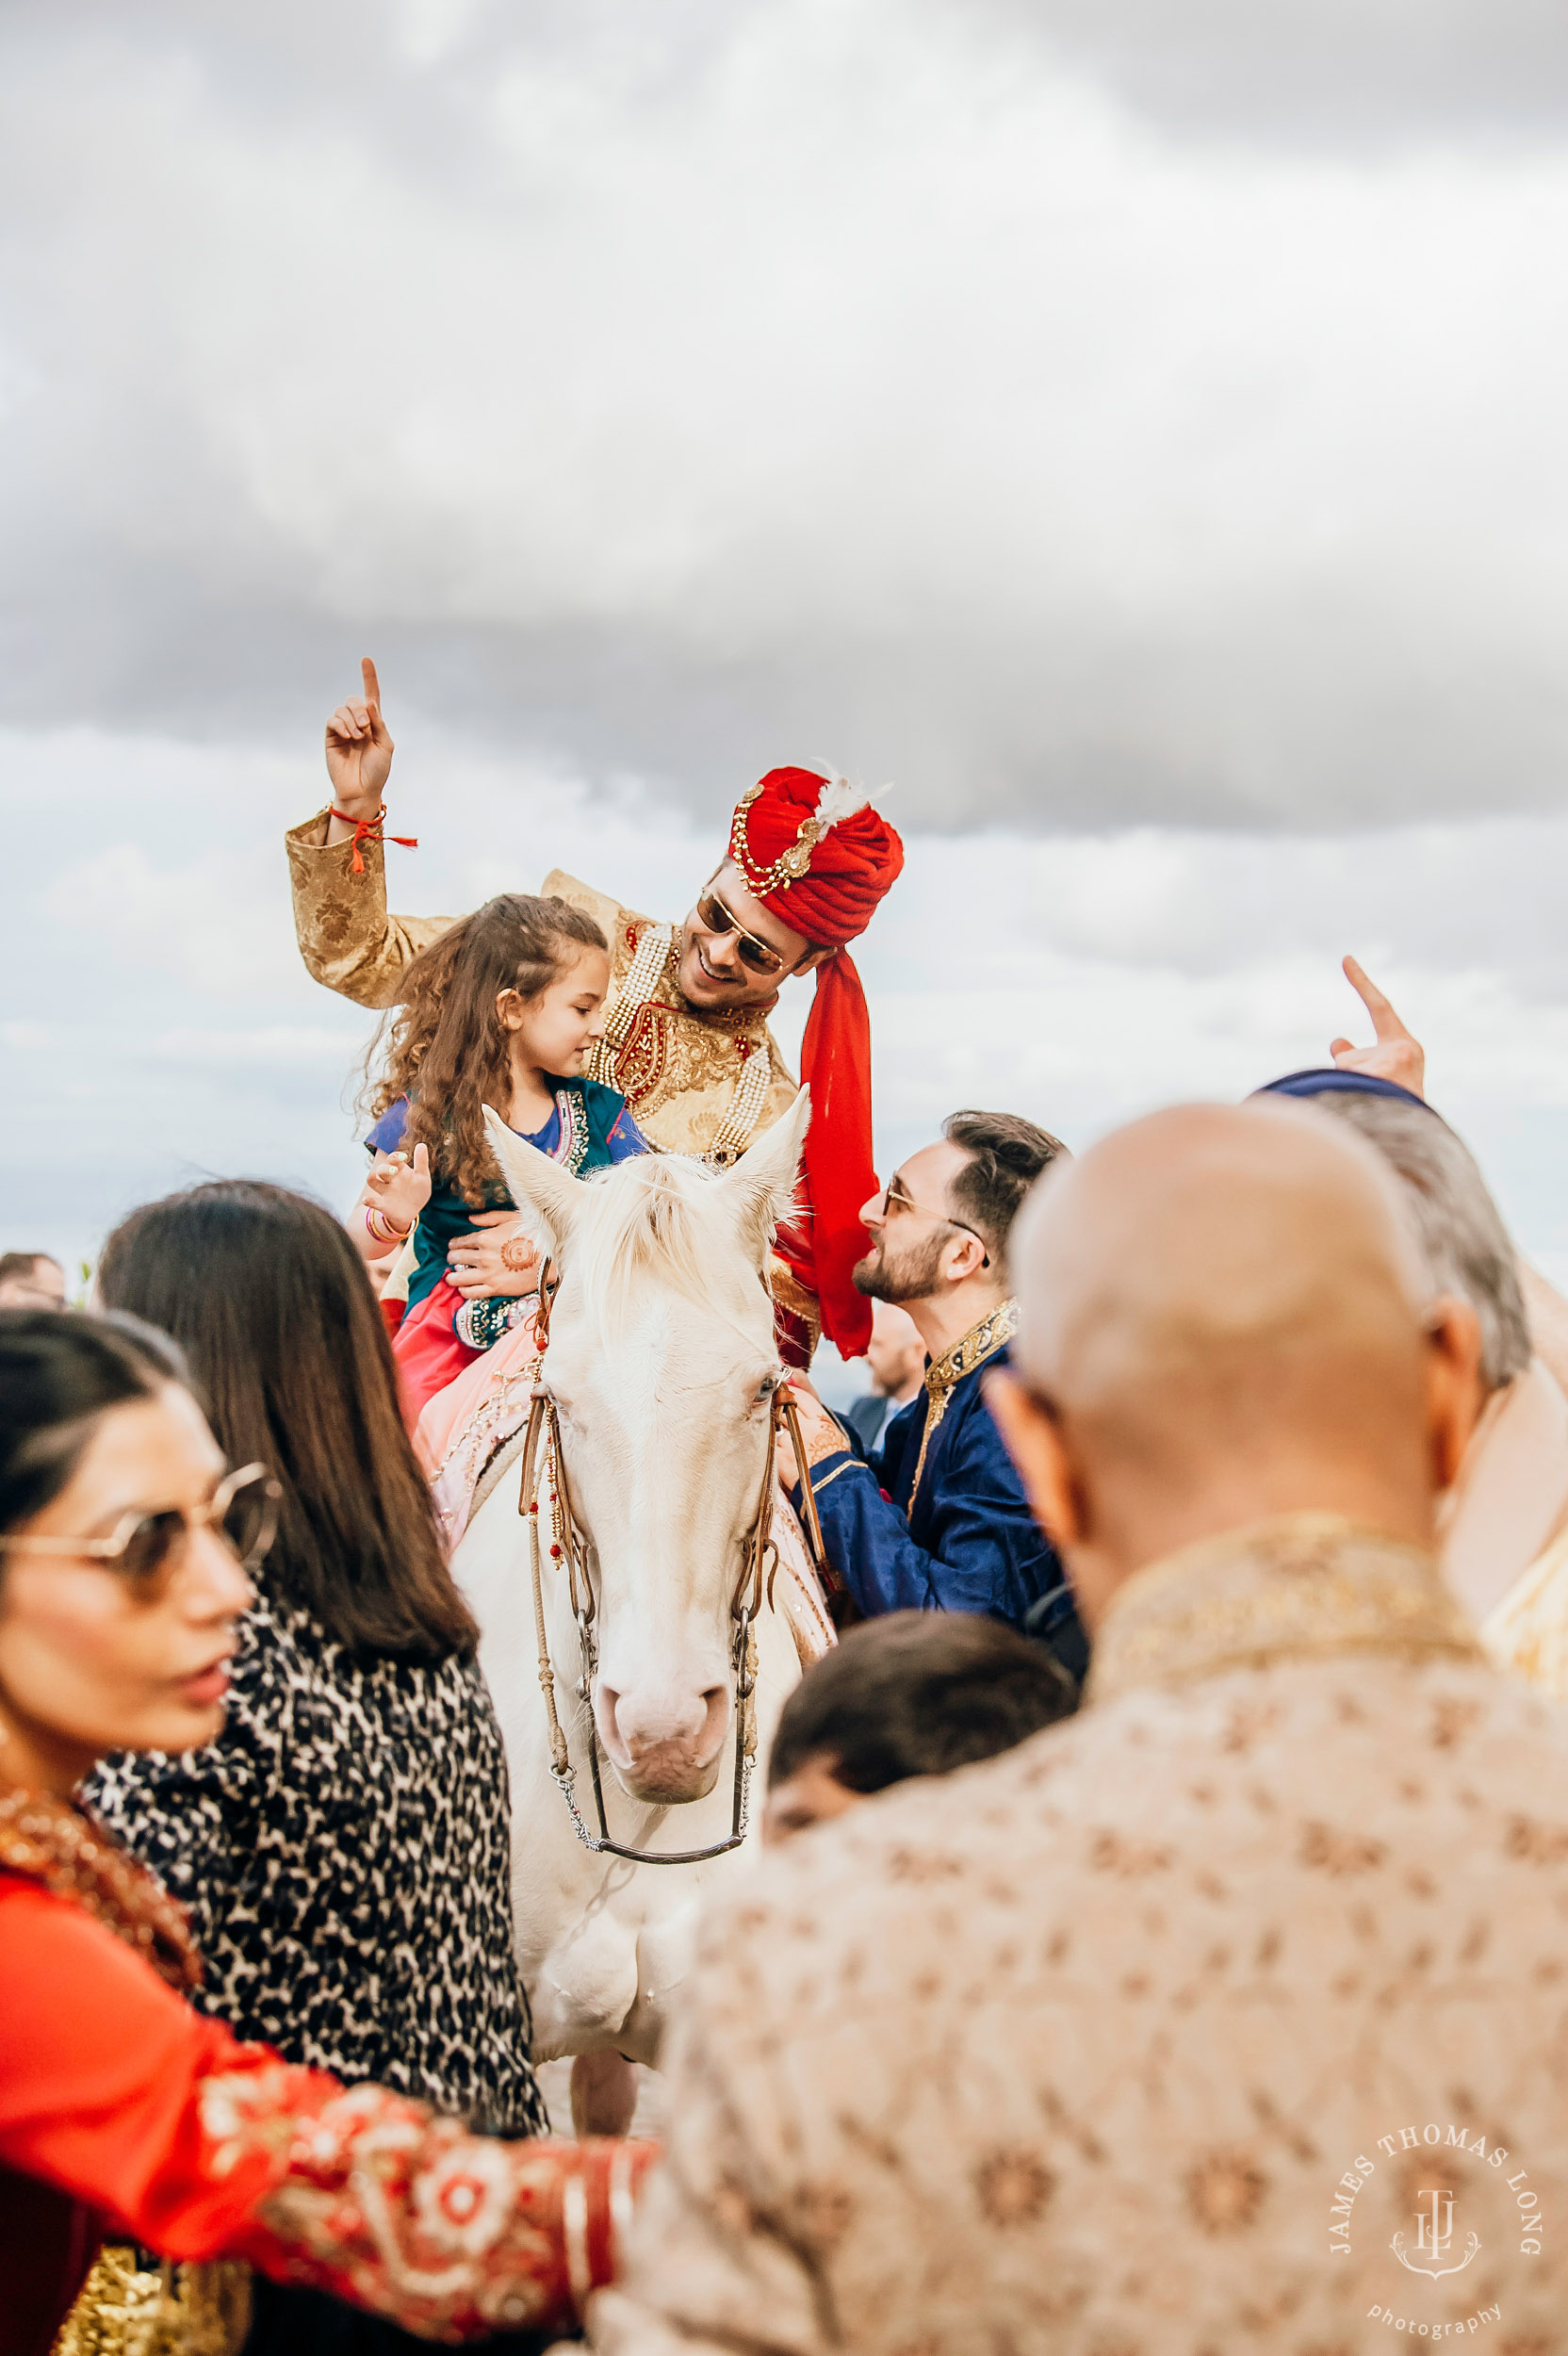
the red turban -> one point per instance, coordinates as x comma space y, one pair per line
812, 851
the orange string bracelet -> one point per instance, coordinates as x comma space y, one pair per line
370, 830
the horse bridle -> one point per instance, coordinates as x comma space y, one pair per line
759, 1568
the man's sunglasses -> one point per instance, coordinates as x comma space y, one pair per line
242, 1511
892, 1198
715, 918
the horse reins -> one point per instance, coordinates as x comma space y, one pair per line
758, 1567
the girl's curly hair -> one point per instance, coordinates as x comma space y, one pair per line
448, 1053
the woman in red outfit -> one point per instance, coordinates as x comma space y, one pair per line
124, 2114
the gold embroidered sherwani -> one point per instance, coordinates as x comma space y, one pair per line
678, 1068
698, 1083
1149, 2038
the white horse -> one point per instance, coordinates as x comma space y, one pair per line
662, 1368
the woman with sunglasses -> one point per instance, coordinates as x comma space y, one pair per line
124, 2113
343, 1845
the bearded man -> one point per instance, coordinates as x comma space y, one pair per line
686, 1037
937, 1519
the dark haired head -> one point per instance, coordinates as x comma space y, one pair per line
23, 1284
57, 1376
24, 1264
449, 1053
1006, 1154
919, 1694
272, 1305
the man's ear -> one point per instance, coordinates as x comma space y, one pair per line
968, 1249
812, 958
1454, 1394
1034, 1443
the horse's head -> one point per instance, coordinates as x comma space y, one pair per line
662, 1365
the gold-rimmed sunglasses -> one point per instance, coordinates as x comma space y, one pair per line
242, 1511
894, 1198
715, 917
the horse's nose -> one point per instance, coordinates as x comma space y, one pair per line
645, 1724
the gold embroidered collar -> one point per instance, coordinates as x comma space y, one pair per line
62, 1846
1303, 1587
970, 1351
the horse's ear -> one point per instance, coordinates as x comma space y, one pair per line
762, 1182
545, 1195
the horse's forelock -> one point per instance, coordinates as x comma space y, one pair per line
659, 1219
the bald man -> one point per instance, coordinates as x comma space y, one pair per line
1228, 2017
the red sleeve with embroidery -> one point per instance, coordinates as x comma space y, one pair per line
115, 2091
795, 1331
408, 2214
99, 2067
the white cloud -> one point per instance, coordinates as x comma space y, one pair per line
160, 1026
856, 383
283, 1045
1101, 433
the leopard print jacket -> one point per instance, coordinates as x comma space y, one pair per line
344, 1850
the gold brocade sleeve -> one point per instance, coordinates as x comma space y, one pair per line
607, 912
347, 938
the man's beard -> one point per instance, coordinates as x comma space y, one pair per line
909, 1275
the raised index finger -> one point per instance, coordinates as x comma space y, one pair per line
1385, 1021
372, 684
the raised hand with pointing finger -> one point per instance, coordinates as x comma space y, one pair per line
1395, 1054
359, 757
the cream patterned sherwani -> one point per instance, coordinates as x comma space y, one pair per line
1152, 2036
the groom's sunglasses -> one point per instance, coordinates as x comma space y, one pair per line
715, 918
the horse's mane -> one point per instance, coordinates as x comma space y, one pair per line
653, 1218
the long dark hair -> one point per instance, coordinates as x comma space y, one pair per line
59, 1375
448, 1053
272, 1305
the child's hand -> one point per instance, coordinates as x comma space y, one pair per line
397, 1190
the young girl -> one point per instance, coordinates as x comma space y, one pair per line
503, 1009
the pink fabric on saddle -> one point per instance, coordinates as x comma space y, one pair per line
462, 1427
428, 1355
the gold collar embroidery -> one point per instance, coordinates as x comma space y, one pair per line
54, 1842
970, 1351
1303, 1587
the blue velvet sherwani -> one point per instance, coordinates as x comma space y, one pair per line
963, 1540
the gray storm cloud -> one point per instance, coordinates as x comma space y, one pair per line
1353, 74
1077, 424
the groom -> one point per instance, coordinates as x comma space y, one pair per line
686, 1037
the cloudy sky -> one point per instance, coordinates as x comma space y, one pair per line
1133, 432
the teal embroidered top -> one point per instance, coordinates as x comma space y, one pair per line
590, 1128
